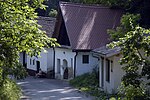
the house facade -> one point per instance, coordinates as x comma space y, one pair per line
81, 28
45, 60
110, 71
69, 64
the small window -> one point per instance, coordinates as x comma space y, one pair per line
85, 59
108, 70
33, 61
30, 61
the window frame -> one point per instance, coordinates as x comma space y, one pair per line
85, 59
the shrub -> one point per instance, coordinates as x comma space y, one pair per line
132, 93
9, 90
87, 82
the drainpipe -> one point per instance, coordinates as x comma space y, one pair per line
54, 63
75, 60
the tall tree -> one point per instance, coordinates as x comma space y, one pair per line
134, 42
19, 32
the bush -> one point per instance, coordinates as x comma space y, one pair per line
9, 90
19, 71
87, 82
132, 93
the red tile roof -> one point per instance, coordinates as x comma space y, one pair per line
87, 25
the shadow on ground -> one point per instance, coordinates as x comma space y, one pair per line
49, 89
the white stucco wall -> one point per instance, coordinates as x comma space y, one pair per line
31, 66
109, 86
116, 74
84, 68
21, 58
45, 58
63, 54
50, 59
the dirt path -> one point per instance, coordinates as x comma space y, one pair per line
49, 89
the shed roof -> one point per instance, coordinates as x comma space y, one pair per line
87, 25
106, 51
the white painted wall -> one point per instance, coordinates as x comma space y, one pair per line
45, 58
63, 54
118, 72
50, 59
115, 75
84, 68
31, 66
109, 86
21, 58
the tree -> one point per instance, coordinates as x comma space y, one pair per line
19, 32
134, 42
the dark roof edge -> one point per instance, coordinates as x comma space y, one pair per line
45, 18
81, 50
84, 5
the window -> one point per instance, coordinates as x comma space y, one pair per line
33, 61
30, 61
108, 70
85, 59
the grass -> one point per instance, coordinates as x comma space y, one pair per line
89, 83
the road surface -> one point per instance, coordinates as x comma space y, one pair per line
50, 89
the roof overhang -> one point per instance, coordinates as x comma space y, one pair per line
106, 52
81, 50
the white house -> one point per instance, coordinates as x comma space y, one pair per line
110, 72
79, 29
45, 59
69, 64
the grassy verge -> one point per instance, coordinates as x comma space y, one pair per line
89, 83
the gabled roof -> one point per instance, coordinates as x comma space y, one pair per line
87, 25
48, 24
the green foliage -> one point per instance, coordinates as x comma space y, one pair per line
134, 42
128, 23
89, 83
131, 92
19, 71
10, 90
53, 13
85, 80
19, 32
